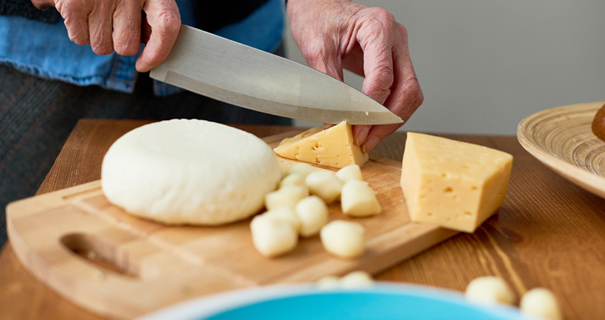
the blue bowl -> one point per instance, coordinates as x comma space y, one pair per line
381, 301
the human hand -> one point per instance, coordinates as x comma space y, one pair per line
337, 34
109, 25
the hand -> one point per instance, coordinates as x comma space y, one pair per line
337, 34
109, 25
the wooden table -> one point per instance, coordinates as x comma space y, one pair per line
548, 232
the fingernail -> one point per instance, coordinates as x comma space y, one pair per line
361, 134
370, 144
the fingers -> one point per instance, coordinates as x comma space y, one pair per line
109, 25
360, 133
375, 40
100, 22
43, 4
165, 21
367, 41
127, 28
326, 59
75, 16
105, 25
390, 77
405, 98
407, 95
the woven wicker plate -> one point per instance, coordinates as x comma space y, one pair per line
562, 139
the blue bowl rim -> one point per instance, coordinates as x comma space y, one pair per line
212, 305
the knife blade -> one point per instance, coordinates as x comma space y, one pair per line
231, 72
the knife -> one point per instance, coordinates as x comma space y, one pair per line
250, 78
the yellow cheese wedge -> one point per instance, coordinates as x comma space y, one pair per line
454, 184
333, 147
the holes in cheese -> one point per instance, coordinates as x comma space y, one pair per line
333, 147
453, 184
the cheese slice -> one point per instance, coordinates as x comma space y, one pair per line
454, 184
333, 147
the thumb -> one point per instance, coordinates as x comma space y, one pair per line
165, 21
43, 4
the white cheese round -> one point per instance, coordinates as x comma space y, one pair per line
189, 172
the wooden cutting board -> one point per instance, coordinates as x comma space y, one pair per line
117, 265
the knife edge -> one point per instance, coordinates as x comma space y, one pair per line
267, 106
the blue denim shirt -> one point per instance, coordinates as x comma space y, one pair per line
45, 50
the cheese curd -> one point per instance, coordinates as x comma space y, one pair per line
324, 184
303, 169
357, 199
328, 282
313, 214
294, 179
356, 279
490, 290
541, 303
287, 196
285, 214
350, 172
343, 239
353, 280
273, 237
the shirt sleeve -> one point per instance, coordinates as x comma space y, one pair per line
25, 8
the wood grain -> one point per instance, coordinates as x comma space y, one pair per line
548, 233
562, 139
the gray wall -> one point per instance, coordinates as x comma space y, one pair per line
485, 65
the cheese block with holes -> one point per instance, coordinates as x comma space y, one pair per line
189, 172
454, 184
333, 147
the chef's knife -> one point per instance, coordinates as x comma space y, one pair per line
247, 77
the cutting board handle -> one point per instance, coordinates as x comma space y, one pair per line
67, 251
105, 260
101, 254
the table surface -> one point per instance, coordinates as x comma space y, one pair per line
548, 233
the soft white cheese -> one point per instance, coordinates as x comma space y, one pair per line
189, 172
